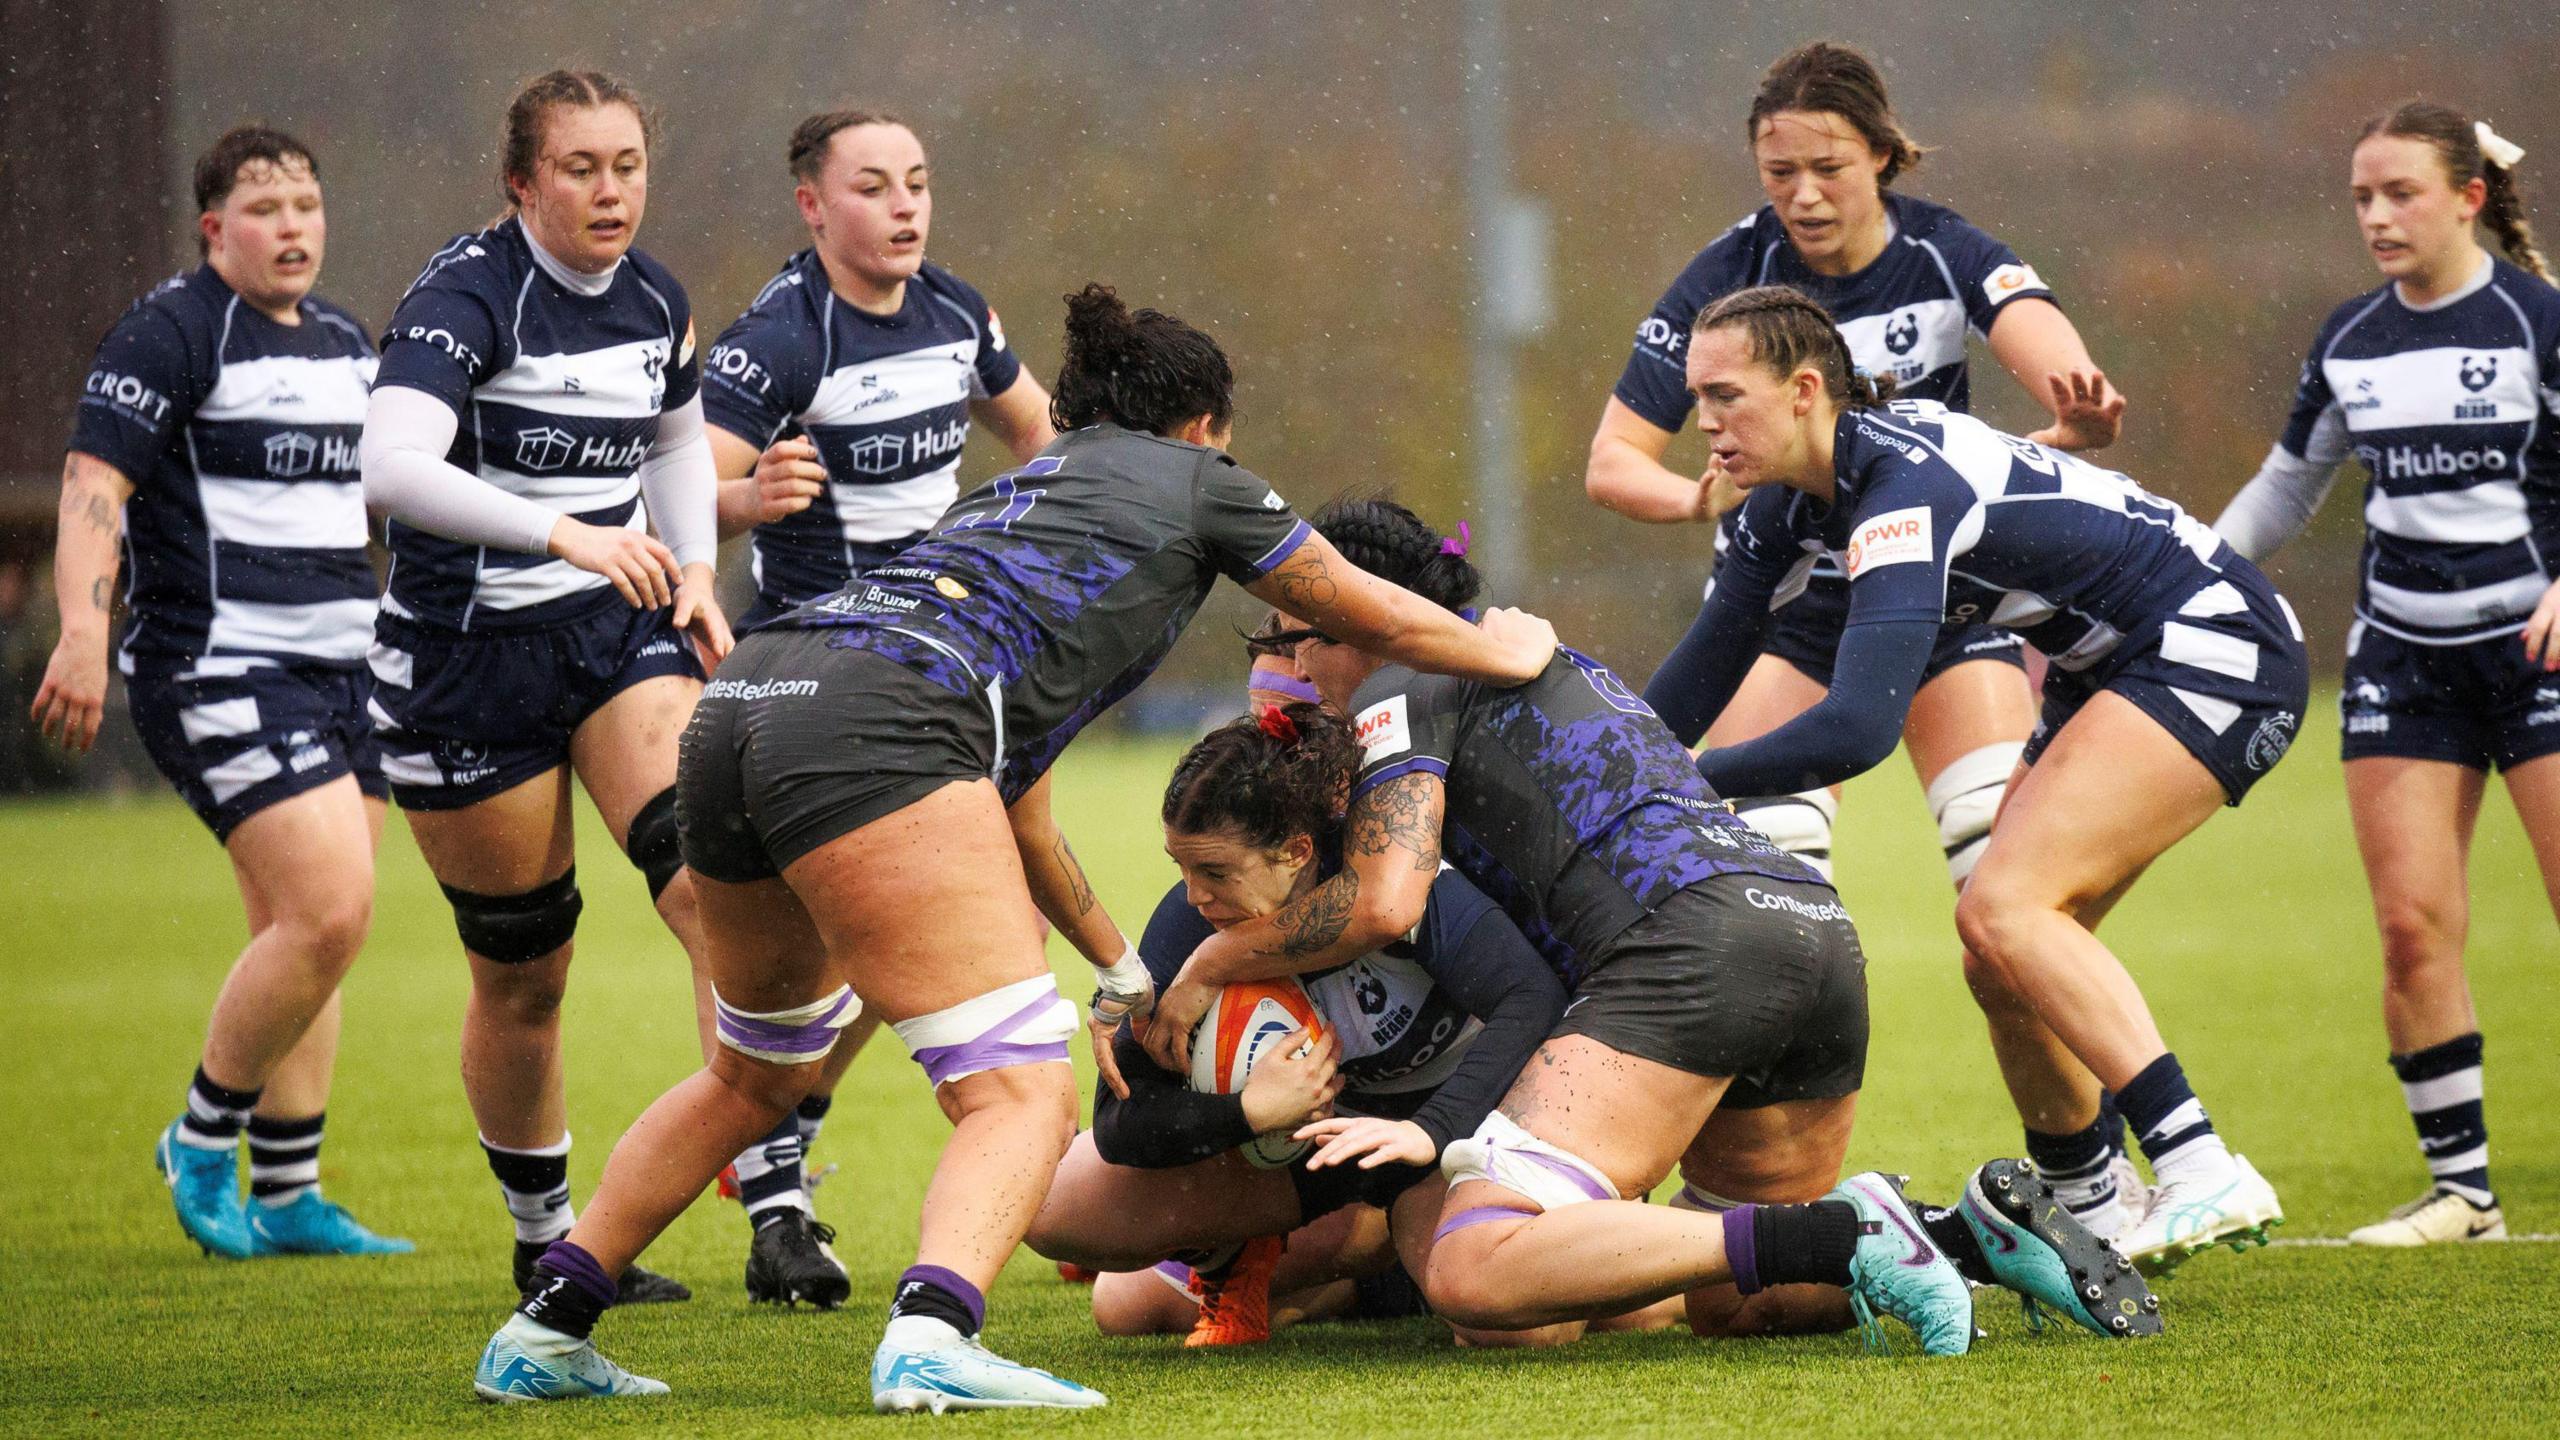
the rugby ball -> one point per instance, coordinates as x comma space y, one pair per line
1244, 1026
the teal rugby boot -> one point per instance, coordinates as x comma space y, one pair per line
2037, 1249
310, 1225
526, 1361
204, 1185
1897, 1272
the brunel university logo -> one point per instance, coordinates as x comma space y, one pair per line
2478, 372
2274, 736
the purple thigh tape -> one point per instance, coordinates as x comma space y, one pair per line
994, 1049
1480, 1215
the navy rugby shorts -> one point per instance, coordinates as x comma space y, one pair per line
2227, 675
1805, 632
467, 715
800, 741
236, 735
2480, 704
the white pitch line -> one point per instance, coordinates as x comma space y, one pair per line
2338, 1242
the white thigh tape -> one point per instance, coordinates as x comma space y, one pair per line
798, 1036
1966, 797
1025, 1023
1514, 1159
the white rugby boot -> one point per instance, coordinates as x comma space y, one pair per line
2190, 1214
924, 1364
527, 1360
2439, 1217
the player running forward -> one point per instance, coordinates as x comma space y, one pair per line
1717, 1018
2177, 680
1426, 1033
2442, 382
220, 418
838, 406
536, 412
866, 803
1907, 281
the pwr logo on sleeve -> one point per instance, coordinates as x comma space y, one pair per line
1382, 730
1896, 537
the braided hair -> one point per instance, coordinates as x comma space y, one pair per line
1147, 371
1271, 777
1391, 542
1788, 332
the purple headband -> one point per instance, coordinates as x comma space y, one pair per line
1459, 545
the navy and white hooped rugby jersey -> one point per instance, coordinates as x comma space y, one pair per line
884, 397
2454, 410
559, 396
246, 532
1906, 314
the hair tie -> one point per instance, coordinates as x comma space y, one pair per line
1458, 546
1276, 723
2497, 149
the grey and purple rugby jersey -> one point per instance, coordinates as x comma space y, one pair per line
1056, 588
2454, 410
1568, 802
245, 536
885, 398
558, 396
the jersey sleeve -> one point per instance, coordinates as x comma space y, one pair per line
1173, 932
759, 377
443, 340
1901, 539
1248, 526
684, 357
997, 366
149, 375
1702, 672
1654, 383
1406, 723
1164, 1123
2317, 429
1989, 273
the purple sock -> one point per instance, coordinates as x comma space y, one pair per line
932, 1290
1740, 1248
570, 1290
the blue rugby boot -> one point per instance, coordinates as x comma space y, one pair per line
529, 1361
1897, 1272
309, 1225
204, 1185
925, 1364
2035, 1247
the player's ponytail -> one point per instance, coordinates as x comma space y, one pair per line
1146, 371
1391, 542
1269, 777
2471, 150
1789, 332
1823, 78
520, 143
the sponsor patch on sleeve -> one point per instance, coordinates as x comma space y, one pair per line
1896, 537
1383, 730
2010, 280
684, 353
995, 329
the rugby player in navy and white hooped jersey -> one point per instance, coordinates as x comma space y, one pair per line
2445, 383
1909, 282
536, 408
838, 406
2177, 680
219, 423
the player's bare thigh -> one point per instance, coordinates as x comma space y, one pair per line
1963, 709
515, 840
625, 753
1789, 1153
1118, 1217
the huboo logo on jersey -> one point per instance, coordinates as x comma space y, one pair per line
885, 453
1383, 730
2478, 372
2419, 462
2009, 280
1897, 537
548, 447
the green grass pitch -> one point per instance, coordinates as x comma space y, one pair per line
2253, 940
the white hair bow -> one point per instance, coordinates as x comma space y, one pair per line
2497, 149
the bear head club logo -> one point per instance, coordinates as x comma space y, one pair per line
2367, 695
543, 449
464, 754
289, 455
1902, 332
2273, 737
1368, 989
949, 588
2478, 371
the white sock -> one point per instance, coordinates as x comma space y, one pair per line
919, 1332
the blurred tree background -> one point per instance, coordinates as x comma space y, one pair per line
1287, 175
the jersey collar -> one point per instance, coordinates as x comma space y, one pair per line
2478, 282
576, 282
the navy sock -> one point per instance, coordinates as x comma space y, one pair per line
215, 1113
769, 1173
2442, 1085
1956, 1239
570, 1291
2163, 1110
2076, 1157
930, 1290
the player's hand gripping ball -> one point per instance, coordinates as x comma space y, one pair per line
1245, 1025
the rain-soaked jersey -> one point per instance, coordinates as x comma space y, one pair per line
2454, 411
1056, 588
1939, 517
1567, 800
558, 396
246, 532
885, 398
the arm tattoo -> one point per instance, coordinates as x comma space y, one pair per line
1404, 812
102, 595
1079, 889
1317, 921
1306, 583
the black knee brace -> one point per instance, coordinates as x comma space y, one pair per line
512, 929
653, 844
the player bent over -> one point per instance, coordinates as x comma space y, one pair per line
864, 827
1717, 1021
220, 422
